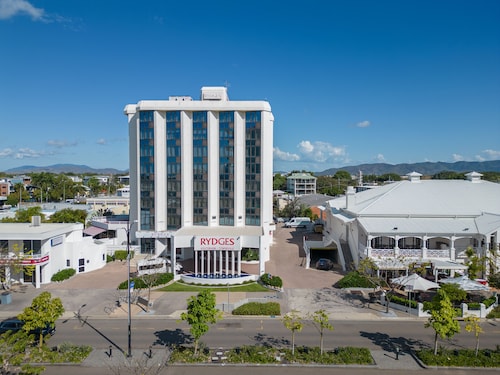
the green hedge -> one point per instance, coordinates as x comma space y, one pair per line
63, 274
139, 282
274, 281
403, 301
461, 357
258, 308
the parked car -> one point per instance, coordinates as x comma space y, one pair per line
324, 264
296, 222
15, 325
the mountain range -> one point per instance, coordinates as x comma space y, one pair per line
425, 168
64, 168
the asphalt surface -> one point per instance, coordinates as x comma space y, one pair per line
95, 294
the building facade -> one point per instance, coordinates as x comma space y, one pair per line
201, 179
429, 222
34, 252
301, 184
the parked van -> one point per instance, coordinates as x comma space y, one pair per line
296, 222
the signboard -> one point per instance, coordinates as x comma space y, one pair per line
28, 261
150, 234
217, 243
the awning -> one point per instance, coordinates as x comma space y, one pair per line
448, 265
93, 231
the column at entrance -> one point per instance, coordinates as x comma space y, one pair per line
196, 260
38, 276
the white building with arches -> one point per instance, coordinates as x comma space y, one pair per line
415, 220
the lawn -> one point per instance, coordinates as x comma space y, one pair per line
183, 287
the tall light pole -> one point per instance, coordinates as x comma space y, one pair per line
129, 352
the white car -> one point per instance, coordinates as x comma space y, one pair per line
178, 267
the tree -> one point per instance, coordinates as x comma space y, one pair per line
454, 293
12, 262
321, 322
442, 318
279, 182
43, 313
25, 215
13, 354
293, 322
473, 324
200, 313
475, 263
69, 215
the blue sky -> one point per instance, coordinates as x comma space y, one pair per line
349, 82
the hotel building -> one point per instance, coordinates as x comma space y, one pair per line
201, 180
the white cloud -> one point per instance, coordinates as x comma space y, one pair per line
23, 153
380, 158
6, 152
60, 144
101, 141
320, 151
286, 156
11, 8
492, 154
363, 124
457, 157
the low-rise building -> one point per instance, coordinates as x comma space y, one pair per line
45, 249
417, 221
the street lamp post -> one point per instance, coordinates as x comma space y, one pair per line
129, 352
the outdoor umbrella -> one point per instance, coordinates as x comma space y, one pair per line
465, 283
414, 282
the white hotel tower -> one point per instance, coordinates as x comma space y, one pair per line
201, 180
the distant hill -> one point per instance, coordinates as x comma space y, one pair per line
426, 168
63, 168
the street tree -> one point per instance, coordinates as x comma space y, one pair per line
201, 312
442, 318
473, 324
293, 322
13, 356
43, 313
320, 321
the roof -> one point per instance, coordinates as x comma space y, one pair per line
93, 231
19, 231
425, 198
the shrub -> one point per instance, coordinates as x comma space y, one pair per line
494, 280
274, 281
109, 258
355, 280
489, 301
122, 254
258, 308
403, 301
461, 358
474, 306
249, 254
163, 278
63, 274
495, 313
